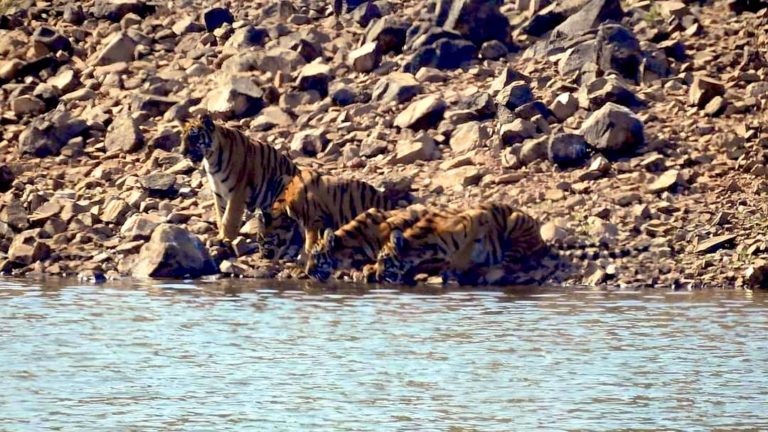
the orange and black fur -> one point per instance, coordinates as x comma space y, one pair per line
357, 243
242, 173
461, 244
318, 201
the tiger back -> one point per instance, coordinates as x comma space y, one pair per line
319, 201
357, 243
242, 173
482, 237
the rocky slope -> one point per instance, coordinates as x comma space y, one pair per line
638, 124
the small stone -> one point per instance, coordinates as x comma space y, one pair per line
422, 148
715, 107
186, 25
173, 252
248, 37
119, 48
703, 90
463, 176
27, 248
308, 143
366, 58
281, 59
534, 150
66, 81
714, 244
665, 181
124, 135
627, 198
493, 50
217, 17
469, 136
424, 113
27, 105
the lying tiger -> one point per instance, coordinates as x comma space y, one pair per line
461, 245
319, 201
356, 244
242, 174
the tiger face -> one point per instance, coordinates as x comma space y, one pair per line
320, 261
197, 139
390, 267
278, 235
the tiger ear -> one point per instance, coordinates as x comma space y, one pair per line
207, 122
329, 237
397, 239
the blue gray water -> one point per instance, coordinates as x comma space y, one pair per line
240, 356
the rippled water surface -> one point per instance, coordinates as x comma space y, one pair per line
244, 357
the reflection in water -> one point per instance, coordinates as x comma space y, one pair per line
237, 355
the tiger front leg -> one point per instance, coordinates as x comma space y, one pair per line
233, 218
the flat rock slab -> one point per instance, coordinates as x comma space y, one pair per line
714, 244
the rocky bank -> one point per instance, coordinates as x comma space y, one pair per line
638, 124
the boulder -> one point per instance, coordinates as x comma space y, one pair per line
608, 89
619, 51
346, 6
248, 37
422, 148
48, 133
469, 136
454, 53
159, 184
514, 95
281, 59
564, 106
118, 48
315, 76
27, 105
424, 113
166, 139
343, 95
217, 17
613, 128
115, 211
399, 87
154, 106
591, 15
116, 10
493, 50
389, 33
577, 57
308, 143
366, 58
52, 40
173, 252
534, 150
124, 135
461, 176
66, 80
567, 150
703, 90
140, 226
73, 14
237, 97
27, 248
476, 20
187, 25
516, 132
14, 215
6, 178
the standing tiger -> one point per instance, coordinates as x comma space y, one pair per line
461, 244
318, 201
357, 243
242, 174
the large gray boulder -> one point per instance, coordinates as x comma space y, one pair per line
614, 129
47, 134
173, 252
591, 15
476, 20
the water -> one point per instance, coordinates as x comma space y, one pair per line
231, 356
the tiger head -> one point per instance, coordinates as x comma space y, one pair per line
390, 265
320, 261
278, 235
197, 138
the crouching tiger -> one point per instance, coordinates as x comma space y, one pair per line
242, 174
320, 201
356, 244
460, 245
